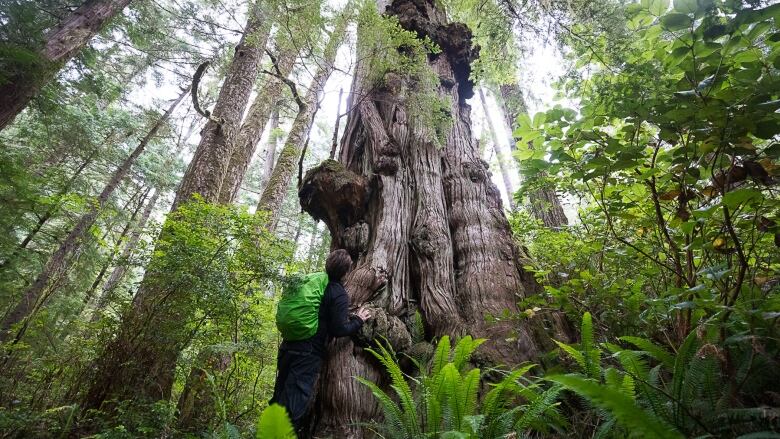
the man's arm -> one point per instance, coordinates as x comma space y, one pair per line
341, 323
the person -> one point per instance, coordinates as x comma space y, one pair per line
299, 362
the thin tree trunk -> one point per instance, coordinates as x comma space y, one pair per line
263, 106
502, 162
111, 257
279, 181
428, 215
119, 271
140, 362
544, 202
270, 152
60, 45
209, 165
43, 219
64, 257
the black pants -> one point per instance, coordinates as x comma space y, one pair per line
296, 374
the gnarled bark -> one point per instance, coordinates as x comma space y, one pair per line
430, 217
61, 44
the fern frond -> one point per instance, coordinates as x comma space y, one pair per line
625, 411
496, 398
464, 349
442, 355
681, 361
399, 384
467, 395
590, 352
574, 353
655, 351
392, 412
645, 382
532, 412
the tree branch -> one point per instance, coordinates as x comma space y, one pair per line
298, 100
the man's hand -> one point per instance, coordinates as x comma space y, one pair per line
364, 314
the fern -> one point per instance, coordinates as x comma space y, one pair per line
624, 410
393, 416
275, 424
538, 406
590, 353
464, 349
441, 356
652, 349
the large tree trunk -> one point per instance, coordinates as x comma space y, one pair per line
502, 162
61, 44
64, 257
209, 165
140, 363
544, 202
265, 103
429, 216
284, 170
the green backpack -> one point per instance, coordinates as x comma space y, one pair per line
297, 314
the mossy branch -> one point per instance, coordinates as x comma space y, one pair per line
278, 74
195, 101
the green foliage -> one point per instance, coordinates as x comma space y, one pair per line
684, 394
397, 57
275, 424
444, 401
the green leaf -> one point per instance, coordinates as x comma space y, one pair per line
735, 198
767, 129
656, 7
651, 348
676, 21
619, 405
685, 6
275, 424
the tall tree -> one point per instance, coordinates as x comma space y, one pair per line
502, 163
544, 202
252, 129
284, 170
64, 257
410, 196
140, 362
60, 45
209, 165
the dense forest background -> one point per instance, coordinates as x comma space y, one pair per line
575, 203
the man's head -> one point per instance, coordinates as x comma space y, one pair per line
338, 264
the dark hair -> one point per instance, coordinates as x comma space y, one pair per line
338, 264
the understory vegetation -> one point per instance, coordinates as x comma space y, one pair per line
138, 295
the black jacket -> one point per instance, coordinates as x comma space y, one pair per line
334, 321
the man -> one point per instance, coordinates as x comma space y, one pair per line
299, 362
